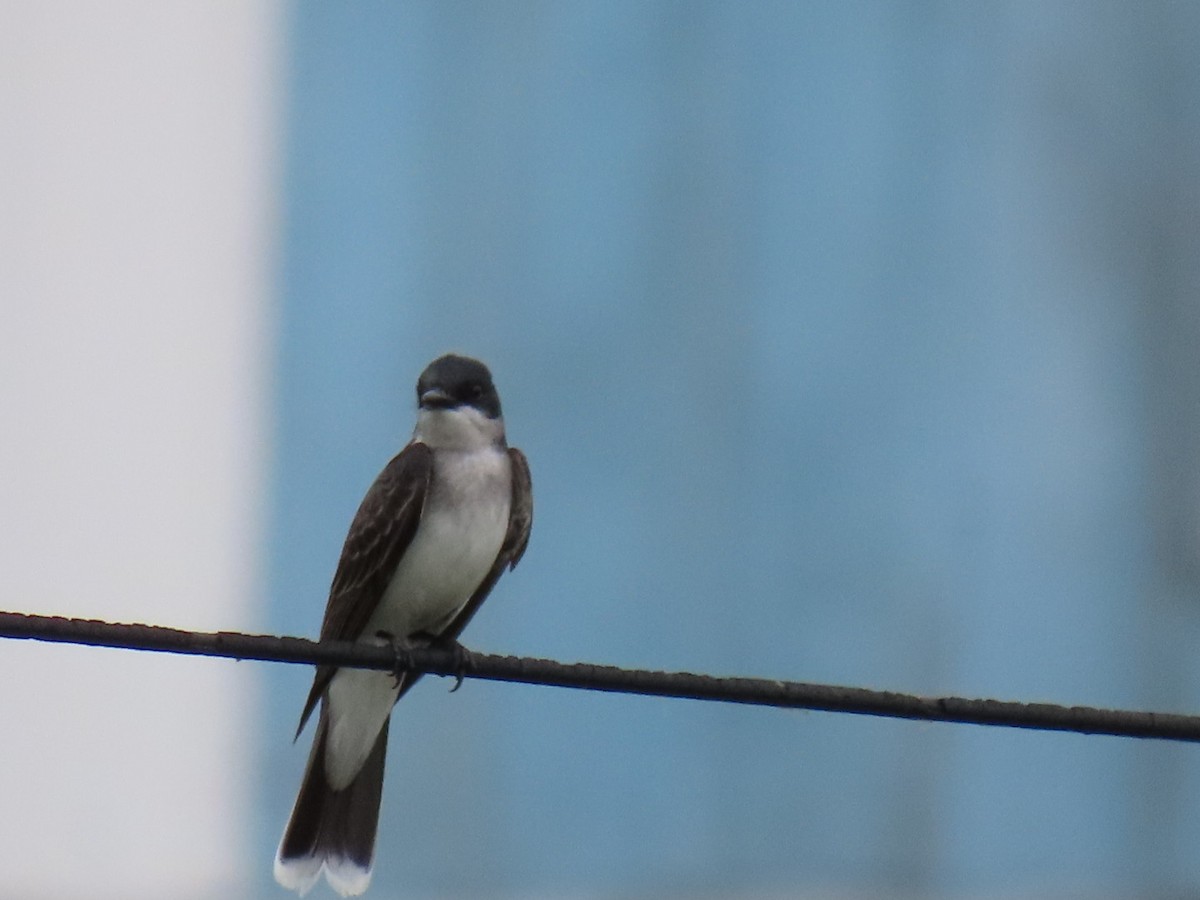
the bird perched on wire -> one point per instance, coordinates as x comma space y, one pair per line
435, 531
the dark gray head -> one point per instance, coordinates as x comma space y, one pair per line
451, 382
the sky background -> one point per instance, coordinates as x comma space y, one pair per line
850, 343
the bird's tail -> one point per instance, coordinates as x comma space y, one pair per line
333, 830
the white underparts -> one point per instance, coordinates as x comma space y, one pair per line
462, 528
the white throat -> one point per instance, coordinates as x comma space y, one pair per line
463, 428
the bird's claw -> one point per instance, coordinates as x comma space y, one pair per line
460, 660
399, 655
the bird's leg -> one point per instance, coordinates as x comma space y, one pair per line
460, 656
400, 670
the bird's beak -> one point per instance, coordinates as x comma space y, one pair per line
436, 398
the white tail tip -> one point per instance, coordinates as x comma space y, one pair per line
300, 874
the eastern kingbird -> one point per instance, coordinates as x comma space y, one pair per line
435, 531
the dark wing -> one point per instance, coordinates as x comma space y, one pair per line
520, 521
381, 531
520, 516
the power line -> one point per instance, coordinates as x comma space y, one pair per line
467, 664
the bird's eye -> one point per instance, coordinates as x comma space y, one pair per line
475, 390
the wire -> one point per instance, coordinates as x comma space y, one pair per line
463, 663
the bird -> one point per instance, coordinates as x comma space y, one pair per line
443, 520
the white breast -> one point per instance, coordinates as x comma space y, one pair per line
462, 528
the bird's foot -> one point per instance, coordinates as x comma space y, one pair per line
400, 669
460, 658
